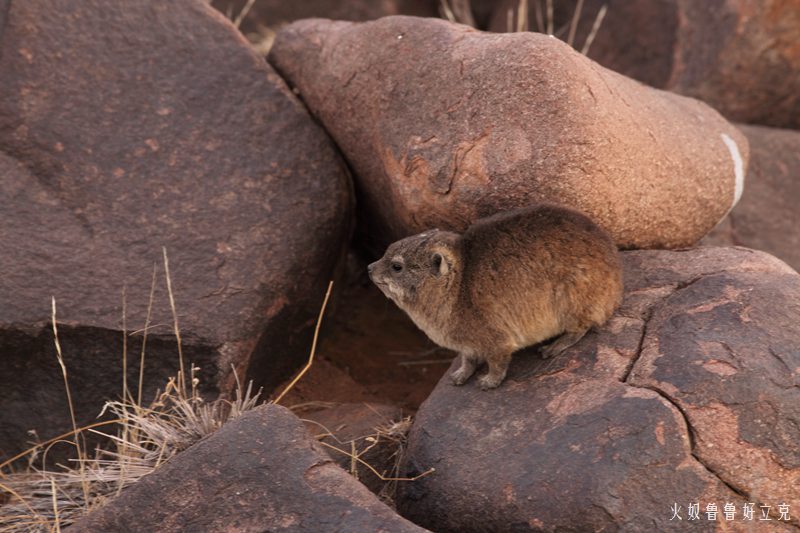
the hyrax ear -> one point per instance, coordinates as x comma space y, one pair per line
442, 259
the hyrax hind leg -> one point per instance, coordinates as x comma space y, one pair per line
567, 339
498, 366
461, 374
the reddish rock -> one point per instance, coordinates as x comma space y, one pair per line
374, 432
260, 472
439, 132
125, 128
767, 218
740, 56
688, 395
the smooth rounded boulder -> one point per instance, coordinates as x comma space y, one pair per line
127, 130
687, 396
443, 124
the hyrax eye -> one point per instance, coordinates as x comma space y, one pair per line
397, 267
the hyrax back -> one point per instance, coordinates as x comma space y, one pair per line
511, 280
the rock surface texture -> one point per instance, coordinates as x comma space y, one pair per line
260, 472
767, 218
443, 124
125, 128
691, 393
739, 56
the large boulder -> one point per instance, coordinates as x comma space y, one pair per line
767, 217
260, 472
125, 128
740, 56
443, 124
689, 395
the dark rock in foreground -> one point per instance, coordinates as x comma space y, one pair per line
767, 217
125, 127
260, 472
443, 124
689, 394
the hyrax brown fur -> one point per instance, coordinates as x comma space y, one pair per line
509, 281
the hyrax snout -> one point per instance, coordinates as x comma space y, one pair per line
509, 281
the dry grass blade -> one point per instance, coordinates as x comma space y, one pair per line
177, 329
78, 446
549, 17
522, 16
313, 347
144, 335
55, 506
32, 450
243, 13
573, 26
447, 13
595, 27
459, 11
539, 18
15, 494
124, 344
372, 469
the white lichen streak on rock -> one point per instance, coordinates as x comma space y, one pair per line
738, 169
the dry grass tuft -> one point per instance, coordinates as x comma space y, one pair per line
38, 498
146, 436
392, 436
517, 21
46, 500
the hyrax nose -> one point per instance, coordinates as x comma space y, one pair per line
371, 267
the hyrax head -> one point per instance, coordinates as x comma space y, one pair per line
418, 267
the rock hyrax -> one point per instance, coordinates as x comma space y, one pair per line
509, 281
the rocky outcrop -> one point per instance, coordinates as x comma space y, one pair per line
688, 395
767, 217
739, 56
443, 124
125, 128
260, 472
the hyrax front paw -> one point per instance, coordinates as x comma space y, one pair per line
464, 371
460, 376
488, 381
